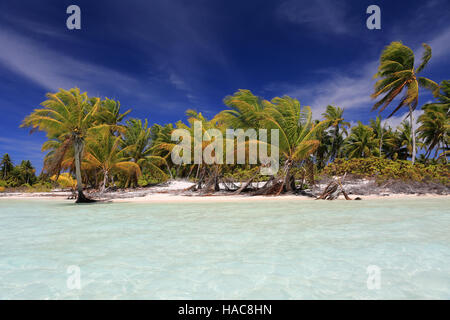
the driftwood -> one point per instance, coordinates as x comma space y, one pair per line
266, 189
333, 190
229, 184
246, 184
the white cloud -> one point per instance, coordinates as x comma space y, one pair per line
440, 45
395, 121
53, 70
345, 91
352, 91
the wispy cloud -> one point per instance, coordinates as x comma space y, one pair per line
350, 87
53, 70
348, 91
321, 15
441, 45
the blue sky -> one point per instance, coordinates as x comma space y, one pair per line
162, 57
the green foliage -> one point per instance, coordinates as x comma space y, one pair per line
240, 173
150, 177
114, 151
385, 169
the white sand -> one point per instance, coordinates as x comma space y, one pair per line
174, 192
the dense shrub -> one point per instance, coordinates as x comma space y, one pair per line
385, 169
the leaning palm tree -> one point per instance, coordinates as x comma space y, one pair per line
103, 152
244, 111
67, 116
334, 118
397, 74
297, 134
361, 142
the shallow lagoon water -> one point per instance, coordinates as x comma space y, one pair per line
233, 250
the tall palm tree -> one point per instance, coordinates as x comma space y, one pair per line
6, 166
103, 151
334, 118
67, 116
397, 74
361, 142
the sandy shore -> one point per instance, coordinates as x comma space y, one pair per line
167, 198
175, 191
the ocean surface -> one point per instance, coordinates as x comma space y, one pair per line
370, 249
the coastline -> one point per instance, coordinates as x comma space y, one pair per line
177, 198
176, 191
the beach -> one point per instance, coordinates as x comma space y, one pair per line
175, 191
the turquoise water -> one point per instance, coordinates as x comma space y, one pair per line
256, 250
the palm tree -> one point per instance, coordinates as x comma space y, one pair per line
396, 72
361, 142
103, 152
391, 144
137, 139
109, 114
6, 166
206, 173
27, 172
334, 118
323, 151
297, 133
405, 140
379, 130
244, 111
68, 117
435, 122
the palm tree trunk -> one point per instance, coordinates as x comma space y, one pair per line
105, 181
78, 145
413, 133
286, 185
